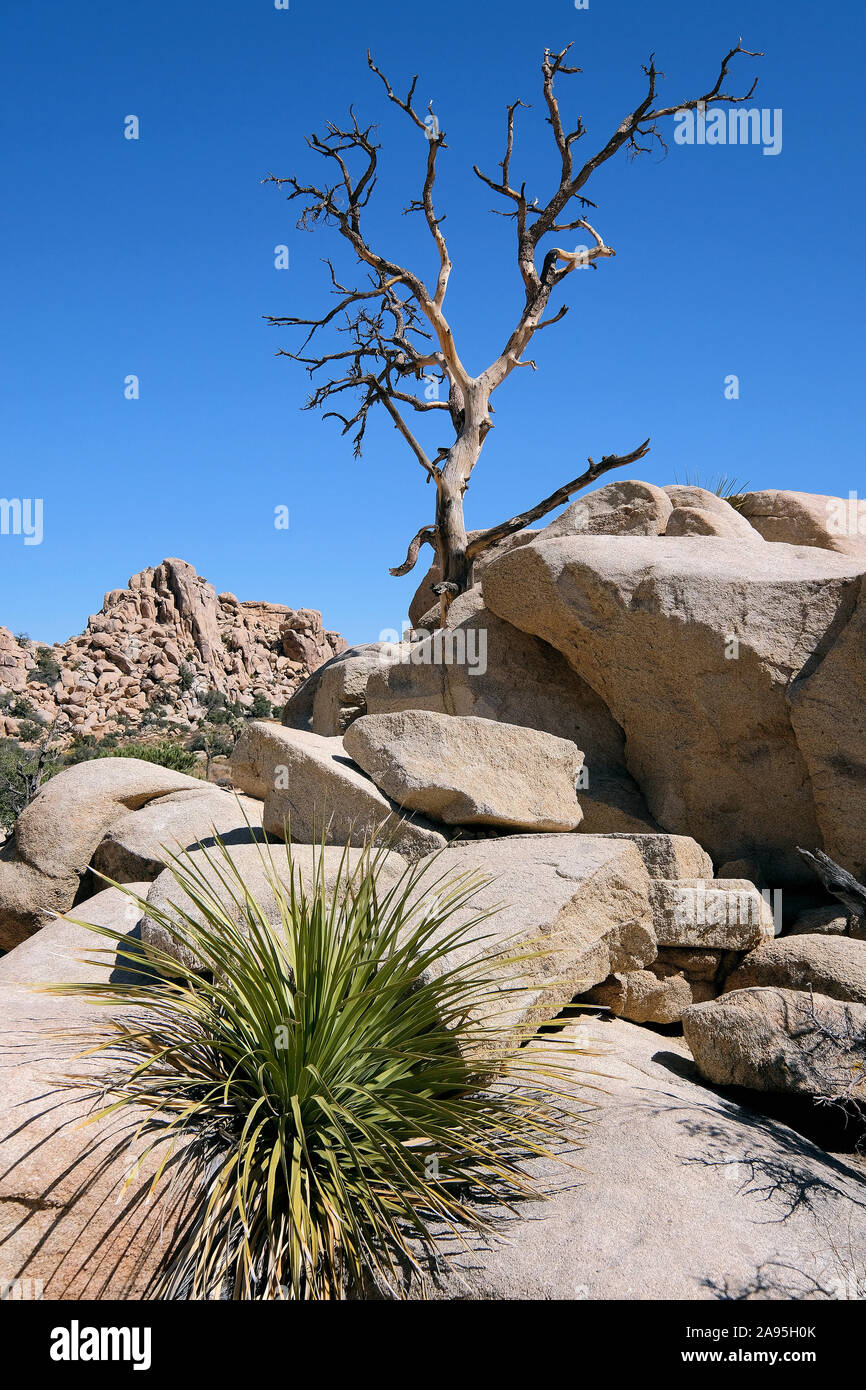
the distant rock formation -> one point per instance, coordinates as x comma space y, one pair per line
169, 633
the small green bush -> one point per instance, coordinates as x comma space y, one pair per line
46, 671
261, 708
172, 755
335, 1070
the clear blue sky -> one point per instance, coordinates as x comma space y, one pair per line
156, 258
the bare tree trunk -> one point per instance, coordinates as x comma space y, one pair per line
451, 484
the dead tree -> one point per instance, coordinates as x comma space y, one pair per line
395, 328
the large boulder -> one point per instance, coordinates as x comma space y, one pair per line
578, 904
55, 837
692, 647
468, 771
75, 1219
830, 965
137, 845
698, 512
624, 508
336, 693
311, 789
697, 521
659, 994
680, 1194
806, 518
781, 1040
486, 667
828, 712
263, 868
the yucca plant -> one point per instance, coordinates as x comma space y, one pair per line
335, 1065
724, 485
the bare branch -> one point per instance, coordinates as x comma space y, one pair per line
426, 536
562, 494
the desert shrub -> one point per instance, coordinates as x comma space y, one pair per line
172, 755
335, 1070
29, 730
261, 708
46, 671
186, 676
18, 706
218, 743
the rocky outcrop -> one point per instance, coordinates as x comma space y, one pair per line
468, 771
311, 789
692, 647
160, 643
781, 1040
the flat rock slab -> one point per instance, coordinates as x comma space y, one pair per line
67, 1221
670, 856
311, 788
580, 901
681, 1193
470, 771
780, 1040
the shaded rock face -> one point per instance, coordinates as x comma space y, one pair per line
782, 1040
692, 643
167, 632
828, 713
682, 1194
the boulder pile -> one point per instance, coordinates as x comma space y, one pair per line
624, 732
161, 642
